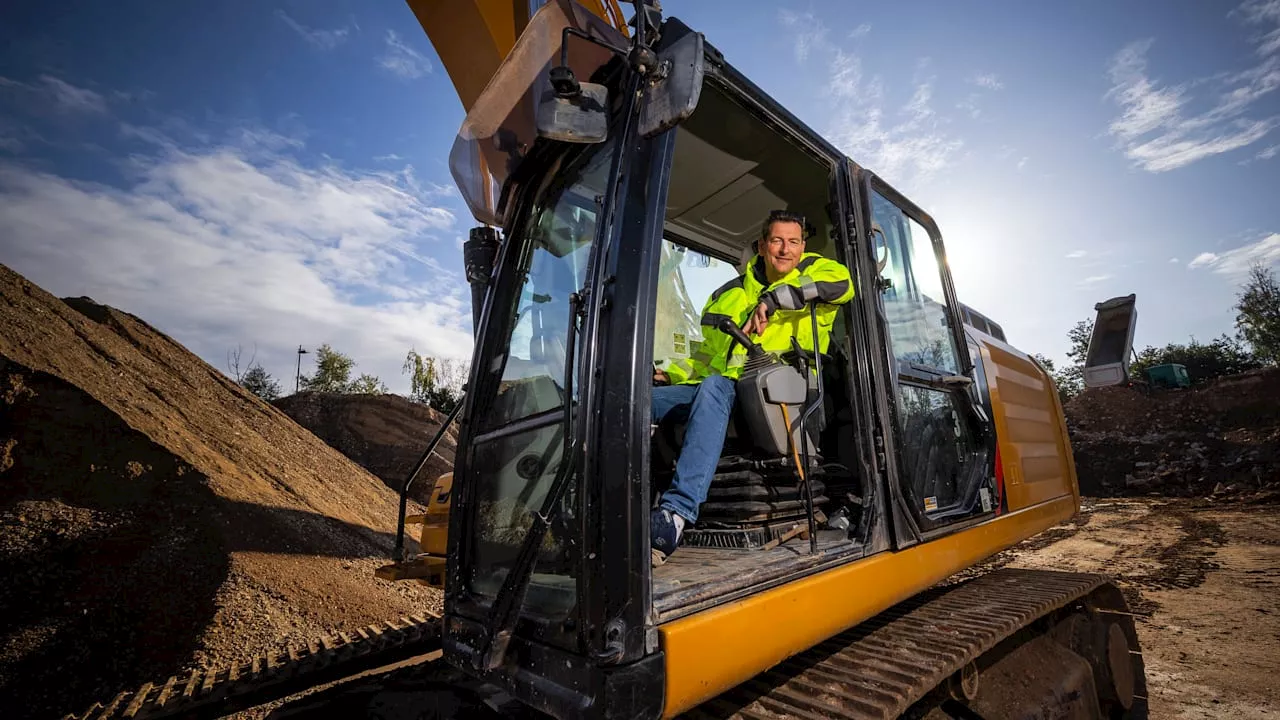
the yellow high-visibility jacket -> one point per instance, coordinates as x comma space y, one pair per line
814, 278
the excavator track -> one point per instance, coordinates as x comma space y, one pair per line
935, 642
273, 675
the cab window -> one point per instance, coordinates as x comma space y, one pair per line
685, 283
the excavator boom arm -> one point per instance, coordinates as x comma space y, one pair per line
473, 37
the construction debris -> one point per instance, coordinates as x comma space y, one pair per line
1220, 439
156, 518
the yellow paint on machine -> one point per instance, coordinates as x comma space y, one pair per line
1034, 447
473, 37
712, 651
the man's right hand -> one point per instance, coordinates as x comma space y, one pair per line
758, 321
660, 377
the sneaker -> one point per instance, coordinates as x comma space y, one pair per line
664, 535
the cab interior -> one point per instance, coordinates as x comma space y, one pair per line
730, 168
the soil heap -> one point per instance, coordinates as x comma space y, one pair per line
1220, 438
385, 434
155, 517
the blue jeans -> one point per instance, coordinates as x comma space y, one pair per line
708, 406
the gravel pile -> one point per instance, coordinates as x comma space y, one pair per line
155, 517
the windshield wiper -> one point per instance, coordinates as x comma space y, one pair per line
506, 605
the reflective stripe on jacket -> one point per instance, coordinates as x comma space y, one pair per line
814, 278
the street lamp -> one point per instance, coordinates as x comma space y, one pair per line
297, 379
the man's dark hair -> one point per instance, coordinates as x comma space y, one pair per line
786, 216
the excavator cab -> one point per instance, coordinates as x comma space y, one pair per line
619, 178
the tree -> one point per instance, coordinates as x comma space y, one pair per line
435, 382
333, 372
233, 362
1070, 379
1224, 356
1070, 382
1258, 314
367, 384
1079, 337
259, 382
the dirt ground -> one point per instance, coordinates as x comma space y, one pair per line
1203, 580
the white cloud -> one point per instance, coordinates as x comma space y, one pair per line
1157, 127
57, 94
1022, 163
241, 243
987, 80
1269, 153
1076, 254
1174, 260
403, 60
810, 33
1203, 259
904, 145
1265, 250
861, 31
1094, 279
389, 157
319, 39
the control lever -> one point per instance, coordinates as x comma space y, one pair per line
730, 328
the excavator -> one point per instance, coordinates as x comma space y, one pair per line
618, 170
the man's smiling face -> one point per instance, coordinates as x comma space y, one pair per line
782, 246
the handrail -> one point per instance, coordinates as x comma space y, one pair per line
398, 554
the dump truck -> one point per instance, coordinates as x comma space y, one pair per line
618, 172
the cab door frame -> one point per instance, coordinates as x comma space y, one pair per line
909, 525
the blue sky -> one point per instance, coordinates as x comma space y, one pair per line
272, 174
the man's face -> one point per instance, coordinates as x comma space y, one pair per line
782, 246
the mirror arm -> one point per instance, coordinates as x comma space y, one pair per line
570, 30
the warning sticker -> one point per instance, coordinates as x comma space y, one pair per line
930, 504
985, 496
680, 344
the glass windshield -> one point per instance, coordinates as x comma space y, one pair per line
512, 473
556, 245
499, 129
685, 283
914, 301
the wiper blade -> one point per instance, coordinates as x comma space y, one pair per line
510, 598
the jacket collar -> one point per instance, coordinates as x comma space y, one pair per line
757, 280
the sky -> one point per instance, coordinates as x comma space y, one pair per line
273, 174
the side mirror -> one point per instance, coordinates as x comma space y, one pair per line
672, 94
572, 111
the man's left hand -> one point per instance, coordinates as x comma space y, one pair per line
758, 322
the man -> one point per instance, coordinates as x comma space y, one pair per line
770, 302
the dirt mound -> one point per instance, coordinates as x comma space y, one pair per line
155, 517
1221, 438
385, 434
